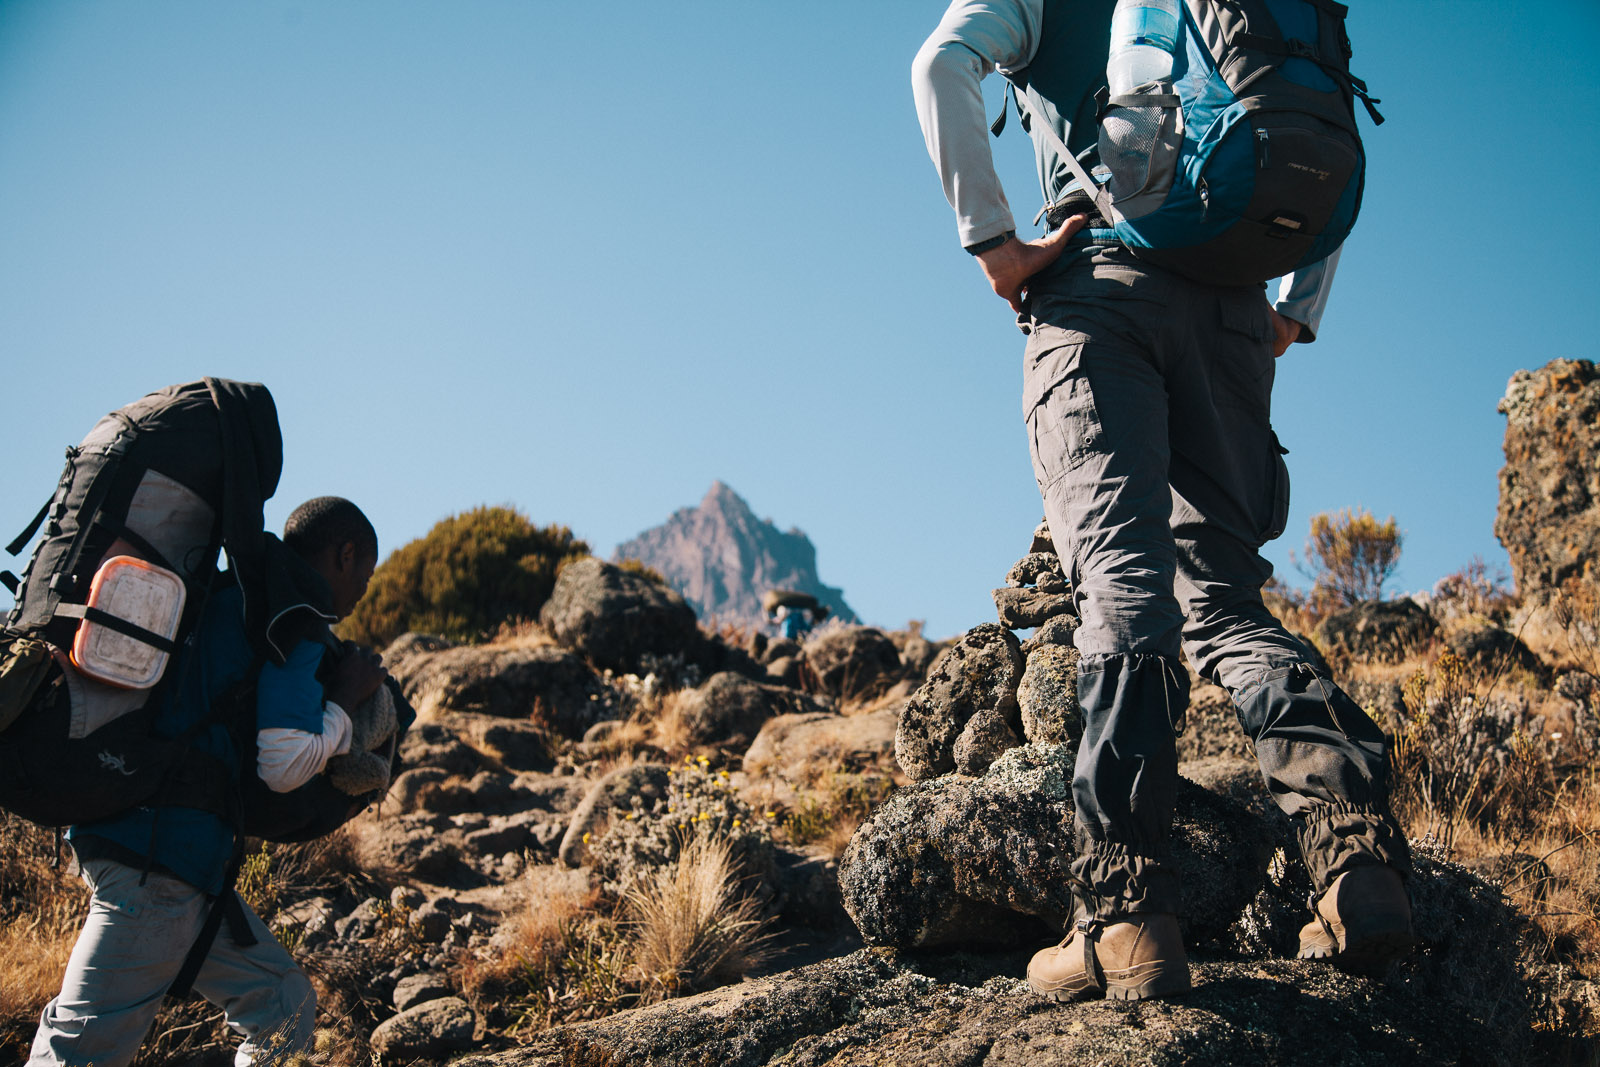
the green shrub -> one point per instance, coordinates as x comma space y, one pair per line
471, 574
1349, 555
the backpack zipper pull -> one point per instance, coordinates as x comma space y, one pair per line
1263, 150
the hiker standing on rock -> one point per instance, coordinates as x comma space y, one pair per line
1146, 394
154, 871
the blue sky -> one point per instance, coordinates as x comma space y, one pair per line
586, 259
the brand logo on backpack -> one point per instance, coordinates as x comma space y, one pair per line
115, 763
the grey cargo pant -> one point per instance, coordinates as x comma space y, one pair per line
1147, 399
134, 941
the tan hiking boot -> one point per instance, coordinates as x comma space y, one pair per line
1131, 958
1362, 923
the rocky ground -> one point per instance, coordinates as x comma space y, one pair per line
896, 813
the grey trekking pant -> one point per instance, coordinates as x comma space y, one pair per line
134, 941
1148, 399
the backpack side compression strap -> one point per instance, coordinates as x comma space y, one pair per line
114, 622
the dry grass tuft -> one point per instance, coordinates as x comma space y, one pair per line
694, 928
41, 909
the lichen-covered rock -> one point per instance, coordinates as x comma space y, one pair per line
1057, 630
697, 802
542, 683
1042, 570
1047, 696
970, 861
986, 735
614, 793
616, 617
432, 1030
1549, 514
1378, 631
882, 1006
729, 709
979, 672
1020, 609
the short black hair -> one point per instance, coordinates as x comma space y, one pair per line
329, 521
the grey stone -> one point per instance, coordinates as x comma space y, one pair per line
541, 684
430, 924
729, 709
432, 744
1377, 631
615, 617
432, 1030
853, 661
1021, 609
1042, 570
419, 989
1042, 541
406, 898
614, 792
984, 861
799, 749
982, 740
1047, 696
978, 672
1549, 513
1056, 630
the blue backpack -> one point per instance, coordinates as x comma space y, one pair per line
1246, 165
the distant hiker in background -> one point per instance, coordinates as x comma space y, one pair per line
156, 870
794, 613
1147, 382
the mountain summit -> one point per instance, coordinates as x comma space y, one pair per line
723, 559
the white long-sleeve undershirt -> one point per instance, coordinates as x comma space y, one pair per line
288, 759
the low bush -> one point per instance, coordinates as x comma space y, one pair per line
471, 574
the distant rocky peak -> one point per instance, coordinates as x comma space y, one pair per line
723, 558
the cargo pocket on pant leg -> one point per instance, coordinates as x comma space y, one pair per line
1279, 520
1063, 430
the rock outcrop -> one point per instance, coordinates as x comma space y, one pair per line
617, 618
1549, 515
723, 559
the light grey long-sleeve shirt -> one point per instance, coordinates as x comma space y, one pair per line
974, 39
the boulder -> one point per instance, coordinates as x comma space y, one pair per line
1377, 631
429, 1031
541, 683
1057, 630
614, 792
853, 661
729, 709
801, 749
617, 618
1042, 570
984, 861
978, 673
431, 744
1493, 649
1549, 513
419, 989
1047, 696
1021, 609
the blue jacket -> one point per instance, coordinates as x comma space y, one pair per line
189, 843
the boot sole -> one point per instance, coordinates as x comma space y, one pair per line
1367, 953
1166, 981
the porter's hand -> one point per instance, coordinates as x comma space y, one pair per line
1009, 266
1284, 332
356, 678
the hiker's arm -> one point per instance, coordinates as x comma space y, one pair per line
974, 38
1303, 297
298, 727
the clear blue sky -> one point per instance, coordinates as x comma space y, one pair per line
587, 258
